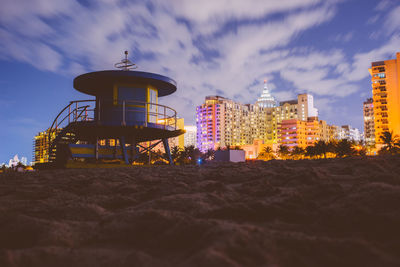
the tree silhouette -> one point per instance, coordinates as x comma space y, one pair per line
311, 151
176, 154
283, 151
297, 152
344, 148
321, 148
209, 154
391, 143
266, 154
191, 154
267, 150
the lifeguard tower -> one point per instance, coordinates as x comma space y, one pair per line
125, 110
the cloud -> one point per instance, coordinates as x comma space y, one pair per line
37, 54
362, 61
187, 40
392, 21
383, 5
343, 37
208, 15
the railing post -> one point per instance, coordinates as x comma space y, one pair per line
76, 111
98, 112
123, 113
175, 120
69, 114
165, 119
97, 148
146, 114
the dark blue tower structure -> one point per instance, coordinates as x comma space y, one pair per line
125, 109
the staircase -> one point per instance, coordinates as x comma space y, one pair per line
61, 133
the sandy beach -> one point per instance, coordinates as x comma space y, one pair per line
335, 212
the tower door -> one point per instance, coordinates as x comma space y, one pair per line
152, 110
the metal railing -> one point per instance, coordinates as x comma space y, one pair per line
154, 115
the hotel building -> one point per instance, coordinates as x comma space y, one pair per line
190, 135
301, 133
292, 133
223, 122
385, 78
350, 133
41, 146
369, 130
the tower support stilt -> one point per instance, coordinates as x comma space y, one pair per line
123, 149
167, 151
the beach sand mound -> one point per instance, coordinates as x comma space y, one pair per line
335, 212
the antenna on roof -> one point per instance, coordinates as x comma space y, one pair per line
125, 63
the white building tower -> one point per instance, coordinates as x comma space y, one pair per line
266, 100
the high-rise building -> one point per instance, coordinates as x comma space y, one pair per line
190, 135
350, 133
223, 122
385, 78
316, 130
369, 130
334, 132
293, 133
301, 108
41, 145
266, 100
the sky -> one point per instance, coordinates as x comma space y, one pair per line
209, 47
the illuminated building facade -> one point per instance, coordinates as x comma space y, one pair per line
301, 109
314, 131
369, 129
350, 133
223, 122
190, 135
333, 132
301, 133
266, 100
385, 78
292, 133
41, 146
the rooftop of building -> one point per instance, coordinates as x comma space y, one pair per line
291, 102
377, 63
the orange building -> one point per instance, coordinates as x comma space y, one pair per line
369, 130
313, 131
292, 133
303, 133
386, 96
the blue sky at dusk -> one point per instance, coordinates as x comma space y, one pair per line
323, 47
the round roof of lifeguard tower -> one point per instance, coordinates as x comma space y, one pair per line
98, 82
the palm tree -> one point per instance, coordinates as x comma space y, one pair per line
267, 150
297, 152
266, 154
332, 146
175, 153
209, 154
391, 143
344, 148
321, 148
311, 151
283, 151
191, 154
